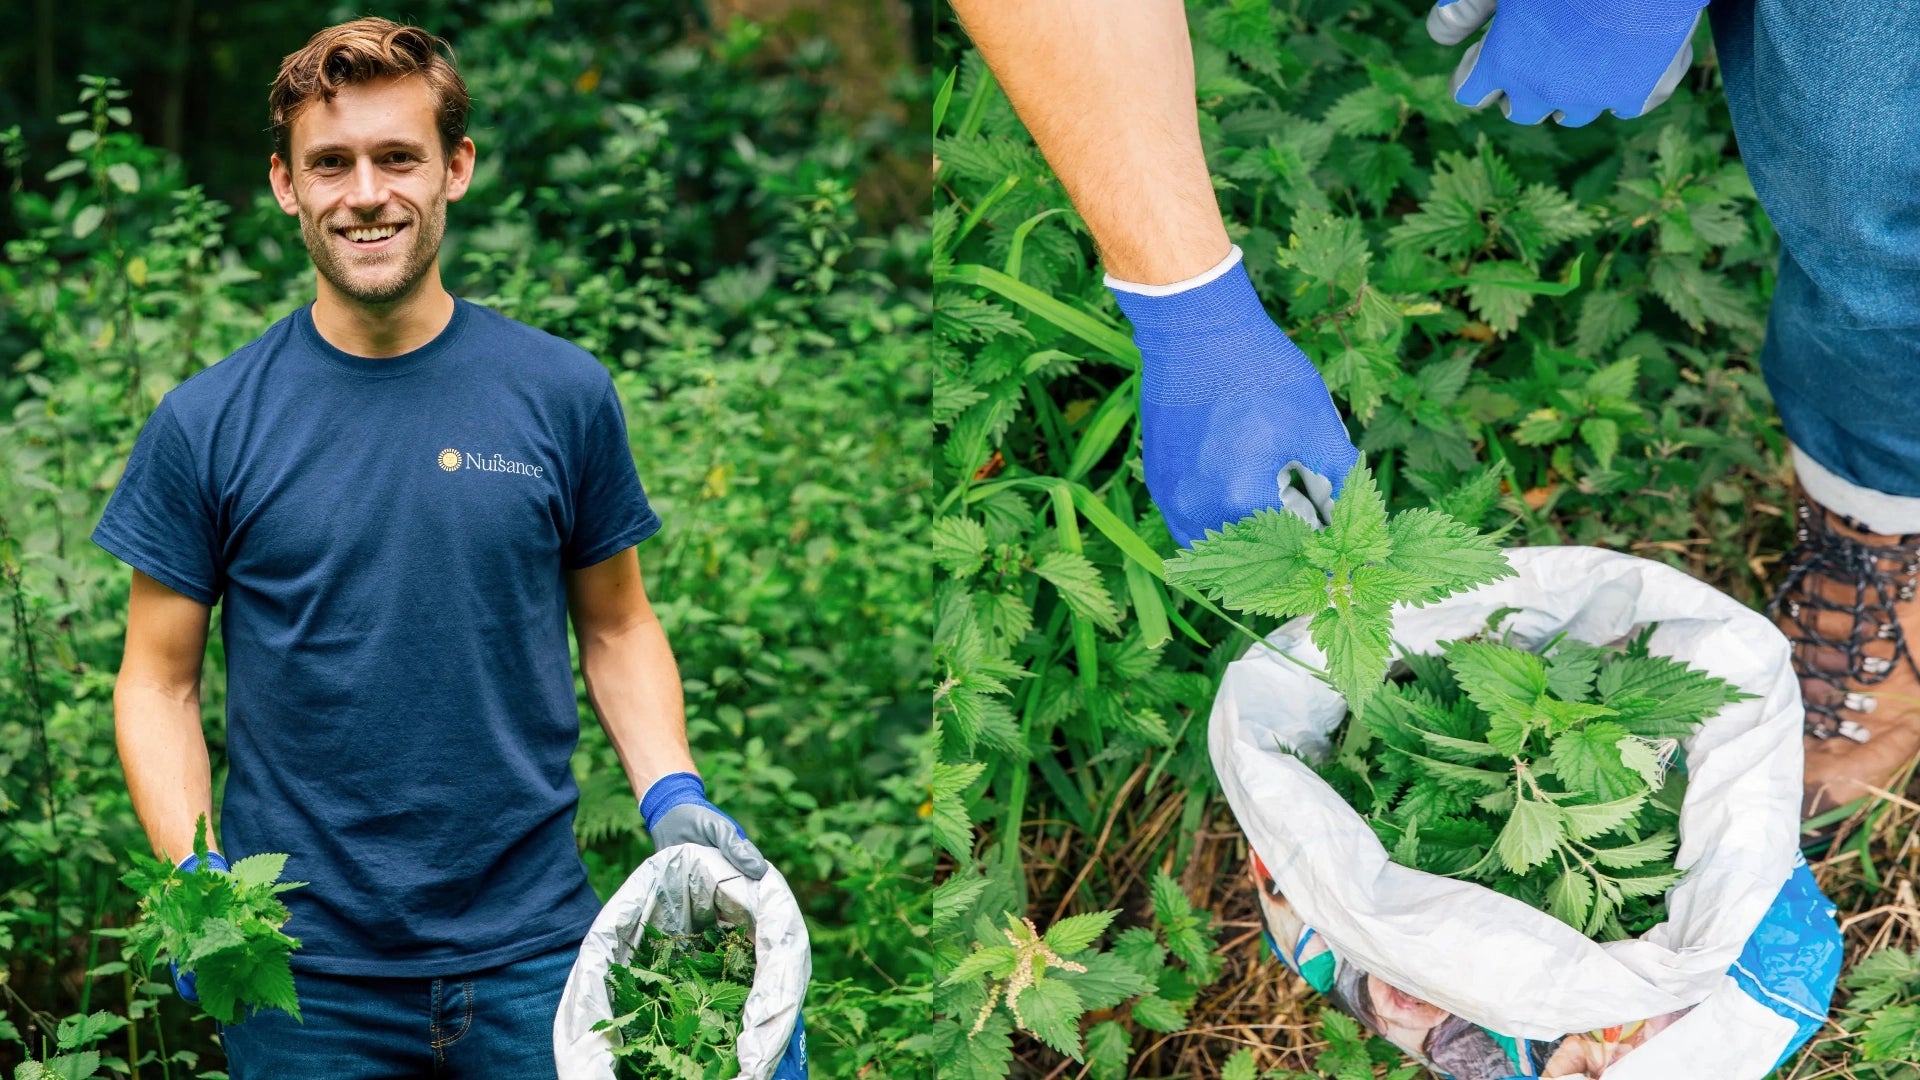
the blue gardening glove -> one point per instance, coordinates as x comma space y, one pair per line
677, 812
183, 980
1568, 59
1227, 404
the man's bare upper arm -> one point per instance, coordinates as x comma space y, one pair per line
166, 639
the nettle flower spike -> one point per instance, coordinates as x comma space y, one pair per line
1031, 957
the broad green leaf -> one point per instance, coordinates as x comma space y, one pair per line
1108, 980
1602, 436
1109, 1048
262, 869
1357, 528
954, 896
1892, 1035
1358, 649
1530, 836
1589, 821
994, 961
1255, 565
1651, 885
1499, 679
1080, 585
1570, 897
1076, 932
1170, 904
1644, 759
959, 545
1051, 1011
1588, 758
1444, 555
1156, 1013
1465, 776
1638, 853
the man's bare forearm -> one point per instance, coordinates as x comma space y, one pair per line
634, 687
1106, 88
164, 754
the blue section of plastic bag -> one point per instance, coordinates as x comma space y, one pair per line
793, 1063
1793, 959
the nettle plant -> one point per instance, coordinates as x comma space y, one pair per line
222, 925
1047, 983
1541, 774
679, 1004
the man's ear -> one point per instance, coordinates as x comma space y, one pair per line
460, 169
282, 181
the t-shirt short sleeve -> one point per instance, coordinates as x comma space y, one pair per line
610, 511
160, 519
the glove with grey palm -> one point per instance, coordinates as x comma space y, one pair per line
677, 812
1568, 59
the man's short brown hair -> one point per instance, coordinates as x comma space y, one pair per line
361, 51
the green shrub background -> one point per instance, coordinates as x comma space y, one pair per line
1542, 329
694, 203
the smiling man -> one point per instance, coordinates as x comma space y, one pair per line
401, 498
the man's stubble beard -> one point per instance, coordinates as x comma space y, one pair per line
417, 260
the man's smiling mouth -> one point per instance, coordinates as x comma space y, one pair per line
370, 234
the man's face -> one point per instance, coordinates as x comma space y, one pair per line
370, 183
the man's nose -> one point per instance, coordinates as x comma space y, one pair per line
368, 189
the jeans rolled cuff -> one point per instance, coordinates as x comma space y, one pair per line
1877, 510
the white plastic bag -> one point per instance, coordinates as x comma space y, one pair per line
1491, 960
679, 890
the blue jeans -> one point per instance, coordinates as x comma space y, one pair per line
494, 1024
1823, 98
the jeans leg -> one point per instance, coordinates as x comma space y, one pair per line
497, 1024
350, 1028
1823, 99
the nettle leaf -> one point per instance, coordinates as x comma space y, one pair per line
1589, 758
1606, 316
1639, 853
1570, 897
1658, 696
1109, 1048
1598, 819
1359, 649
1080, 586
1602, 436
959, 545
1498, 292
1357, 528
1255, 565
1501, 680
1571, 670
1444, 555
1892, 1035
1329, 249
1108, 980
1531, 835
1076, 932
1156, 1013
1051, 1011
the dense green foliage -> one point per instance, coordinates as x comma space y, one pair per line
1536, 774
686, 210
677, 1004
221, 925
1557, 326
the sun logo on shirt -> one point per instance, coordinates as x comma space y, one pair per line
450, 460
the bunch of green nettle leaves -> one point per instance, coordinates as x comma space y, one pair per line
222, 925
677, 1005
1542, 775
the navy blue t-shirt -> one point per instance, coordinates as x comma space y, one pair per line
390, 538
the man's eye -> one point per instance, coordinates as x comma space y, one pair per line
328, 162
400, 156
